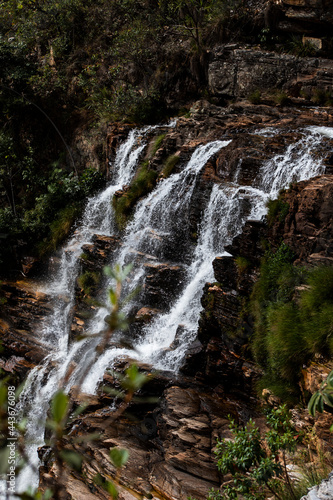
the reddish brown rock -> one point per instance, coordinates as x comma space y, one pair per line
308, 226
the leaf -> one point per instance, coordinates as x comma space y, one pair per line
86, 438
119, 456
328, 398
48, 494
73, 459
113, 296
312, 405
126, 270
59, 406
329, 379
320, 404
134, 380
80, 409
110, 487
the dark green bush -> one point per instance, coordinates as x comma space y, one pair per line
290, 326
59, 229
88, 281
276, 210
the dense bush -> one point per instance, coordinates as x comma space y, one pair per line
47, 221
292, 322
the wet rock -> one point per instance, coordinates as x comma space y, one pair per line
162, 283
143, 317
324, 491
99, 252
225, 271
221, 312
21, 343
250, 243
24, 305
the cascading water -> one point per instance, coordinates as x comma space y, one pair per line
228, 209
43, 381
157, 217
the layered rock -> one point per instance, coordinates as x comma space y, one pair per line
23, 309
308, 226
237, 72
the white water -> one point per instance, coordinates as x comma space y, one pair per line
44, 381
158, 217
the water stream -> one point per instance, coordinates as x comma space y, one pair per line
160, 221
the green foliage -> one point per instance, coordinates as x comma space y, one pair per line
119, 457
276, 210
281, 98
88, 281
169, 165
258, 463
142, 184
289, 329
255, 97
242, 264
61, 413
44, 220
322, 97
296, 47
58, 230
323, 395
157, 143
59, 407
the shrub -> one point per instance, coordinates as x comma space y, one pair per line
157, 143
257, 463
290, 328
296, 47
242, 264
276, 210
282, 99
322, 97
59, 229
88, 281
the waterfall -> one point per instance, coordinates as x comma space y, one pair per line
160, 222
43, 381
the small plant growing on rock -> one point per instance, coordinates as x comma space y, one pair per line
323, 396
277, 210
255, 97
242, 264
258, 464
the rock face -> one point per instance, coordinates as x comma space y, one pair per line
22, 310
308, 226
237, 72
